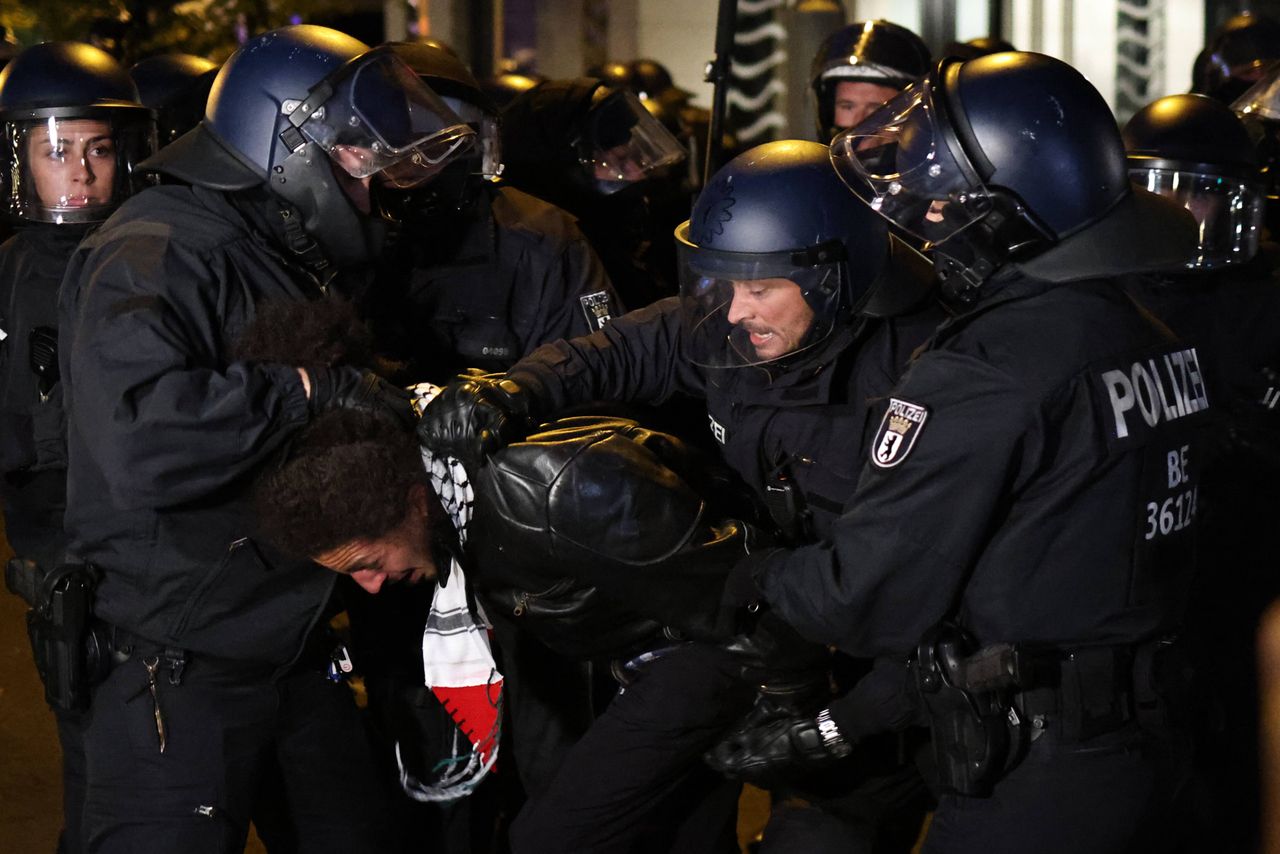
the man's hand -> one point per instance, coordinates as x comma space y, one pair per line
352, 388
476, 415
775, 745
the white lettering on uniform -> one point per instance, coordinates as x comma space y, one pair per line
717, 429
1121, 392
1178, 466
1159, 395
1147, 402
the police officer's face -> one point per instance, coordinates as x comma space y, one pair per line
773, 312
72, 162
402, 555
347, 159
855, 100
617, 164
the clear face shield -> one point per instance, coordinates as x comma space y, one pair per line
71, 166
1228, 211
901, 162
1262, 99
488, 130
741, 309
623, 143
1259, 110
375, 116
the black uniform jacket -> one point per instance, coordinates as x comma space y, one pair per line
1033, 474
508, 274
165, 432
32, 423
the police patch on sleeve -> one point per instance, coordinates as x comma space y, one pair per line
899, 428
597, 309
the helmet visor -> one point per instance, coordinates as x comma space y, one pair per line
899, 162
488, 130
623, 142
741, 309
75, 168
379, 117
1228, 212
1262, 99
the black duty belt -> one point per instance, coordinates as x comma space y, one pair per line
1079, 692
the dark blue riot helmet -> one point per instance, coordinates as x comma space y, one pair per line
776, 227
456, 187
74, 134
176, 86
1196, 151
310, 113
999, 160
879, 52
1236, 55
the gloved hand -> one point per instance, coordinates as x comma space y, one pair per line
348, 387
774, 654
476, 415
774, 744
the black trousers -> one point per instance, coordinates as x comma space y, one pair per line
71, 740
636, 781
1113, 793
230, 730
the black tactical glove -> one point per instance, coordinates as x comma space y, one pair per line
776, 745
352, 388
477, 415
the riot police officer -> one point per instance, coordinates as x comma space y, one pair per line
1011, 435
859, 67
482, 273
594, 150
1226, 299
166, 428
776, 263
74, 134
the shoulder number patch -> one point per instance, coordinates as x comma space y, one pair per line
597, 309
899, 428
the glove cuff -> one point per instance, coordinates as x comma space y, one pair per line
832, 739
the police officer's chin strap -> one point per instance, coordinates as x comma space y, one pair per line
303, 246
967, 259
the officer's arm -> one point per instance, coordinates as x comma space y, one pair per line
638, 357
160, 416
899, 557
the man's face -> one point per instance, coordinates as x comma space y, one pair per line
855, 100
347, 159
402, 555
617, 164
73, 163
773, 312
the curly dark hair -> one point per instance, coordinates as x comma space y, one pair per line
310, 334
346, 476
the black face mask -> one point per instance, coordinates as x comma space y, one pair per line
444, 196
